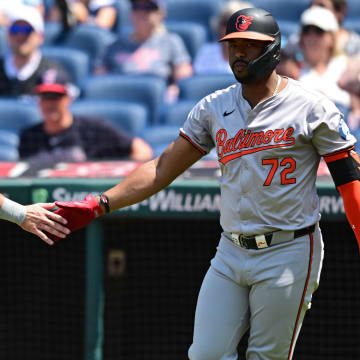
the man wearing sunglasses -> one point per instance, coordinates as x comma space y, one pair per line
23, 64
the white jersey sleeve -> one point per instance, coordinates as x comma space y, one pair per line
329, 129
203, 118
196, 127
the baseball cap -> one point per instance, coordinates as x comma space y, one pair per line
54, 81
251, 23
27, 13
319, 17
148, 4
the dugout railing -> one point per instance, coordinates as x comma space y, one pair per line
126, 286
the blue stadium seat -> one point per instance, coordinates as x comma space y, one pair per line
90, 39
283, 9
352, 23
9, 137
160, 136
199, 11
52, 33
288, 27
176, 114
47, 5
75, 61
198, 86
9, 153
127, 116
353, 10
194, 35
345, 110
16, 115
356, 133
123, 16
143, 89
3, 41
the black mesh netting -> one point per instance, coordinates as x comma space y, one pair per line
42, 296
152, 285
153, 269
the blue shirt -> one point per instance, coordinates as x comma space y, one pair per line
158, 55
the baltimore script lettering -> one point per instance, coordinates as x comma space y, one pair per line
247, 142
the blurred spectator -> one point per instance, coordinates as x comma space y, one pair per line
62, 137
289, 65
350, 81
61, 12
323, 62
23, 64
347, 40
10, 6
213, 57
102, 13
149, 48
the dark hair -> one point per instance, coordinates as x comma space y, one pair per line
339, 4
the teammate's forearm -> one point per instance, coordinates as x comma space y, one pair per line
11, 210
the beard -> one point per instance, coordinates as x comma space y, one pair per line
244, 79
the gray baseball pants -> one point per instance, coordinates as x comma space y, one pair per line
268, 290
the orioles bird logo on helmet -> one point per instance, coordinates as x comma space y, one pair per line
243, 22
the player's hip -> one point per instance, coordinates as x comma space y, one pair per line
278, 264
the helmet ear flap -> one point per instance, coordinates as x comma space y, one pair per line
267, 62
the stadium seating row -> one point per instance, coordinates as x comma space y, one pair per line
188, 18
133, 103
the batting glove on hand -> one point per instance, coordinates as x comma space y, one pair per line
78, 213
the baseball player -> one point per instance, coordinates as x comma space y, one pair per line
270, 133
35, 218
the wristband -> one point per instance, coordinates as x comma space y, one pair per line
12, 211
104, 200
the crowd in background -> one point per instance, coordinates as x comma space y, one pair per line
118, 38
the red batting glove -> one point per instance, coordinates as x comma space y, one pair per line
78, 213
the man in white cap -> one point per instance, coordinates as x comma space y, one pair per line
347, 40
323, 62
23, 64
7, 6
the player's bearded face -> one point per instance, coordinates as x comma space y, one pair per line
241, 53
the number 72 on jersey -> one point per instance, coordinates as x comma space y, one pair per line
284, 167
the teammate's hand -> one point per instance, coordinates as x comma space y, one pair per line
78, 213
44, 223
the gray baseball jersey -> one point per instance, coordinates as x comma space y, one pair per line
268, 155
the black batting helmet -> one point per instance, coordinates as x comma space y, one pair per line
256, 24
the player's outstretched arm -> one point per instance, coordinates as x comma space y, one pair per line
35, 218
154, 175
143, 182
